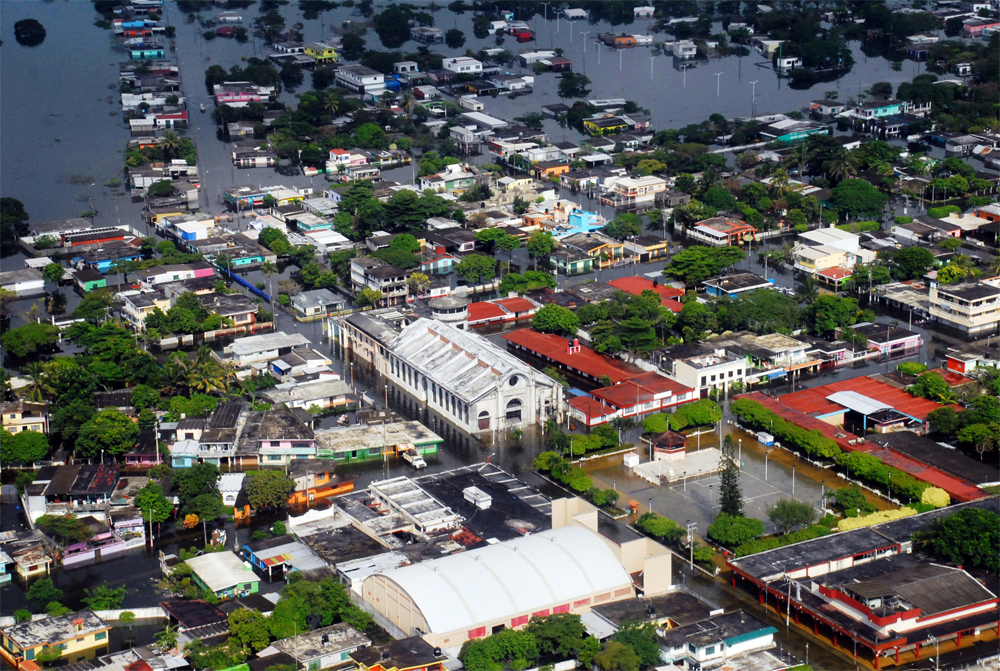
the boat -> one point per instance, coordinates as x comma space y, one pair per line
203, 107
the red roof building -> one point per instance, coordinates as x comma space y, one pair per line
571, 356
482, 313
638, 395
636, 285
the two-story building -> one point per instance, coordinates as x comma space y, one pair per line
634, 191
136, 307
462, 65
455, 177
360, 79
277, 436
710, 643
77, 636
603, 250
20, 416
721, 232
321, 52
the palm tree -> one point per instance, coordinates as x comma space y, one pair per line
808, 293
269, 269
167, 639
331, 104
175, 374
170, 143
995, 265
409, 101
39, 387
800, 158
208, 377
780, 183
842, 165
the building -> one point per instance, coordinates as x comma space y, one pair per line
20, 416
472, 594
321, 52
734, 284
224, 574
275, 437
701, 645
570, 356
604, 251
323, 648
317, 304
375, 274
964, 360
826, 108
314, 481
634, 191
889, 341
78, 636
360, 79
469, 380
721, 232
707, 368
970, 308
462, 65
643, 12
974, 28
636, 396
372, 442
137, 306
265, 347
22, 282
606, 125
406, 654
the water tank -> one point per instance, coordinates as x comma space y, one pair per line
451, 310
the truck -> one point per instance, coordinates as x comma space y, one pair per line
414, 459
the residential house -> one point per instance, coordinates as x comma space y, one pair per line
20, 416
790, 130
150, 277
704, 367
964, 360
462, 65
605, 251
316, 304
889, 341
237, 308
427, 34
721, 232
321, 52
314, 481
457, 177
405, 654
606, 125
224, 574
733, 284
546, 170
275, 437
975, 28
648, 248
380, 276
265, 347
88, 279
571, 261
717, 640
634, 191
685, 50
360, 79
880, 108
139, 305
241, 94
22, 282
78, 636
643, 12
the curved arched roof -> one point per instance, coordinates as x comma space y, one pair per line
523, 575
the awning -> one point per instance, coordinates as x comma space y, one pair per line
771, 374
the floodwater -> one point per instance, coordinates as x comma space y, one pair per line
62, 138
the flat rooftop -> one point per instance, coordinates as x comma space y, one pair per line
321, 642
267, 342
939, 456
680, 606
392, 434
52, 630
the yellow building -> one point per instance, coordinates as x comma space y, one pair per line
323, 53
77, 636
25, 416
814, 259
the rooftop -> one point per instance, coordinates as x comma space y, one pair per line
939, 456
266, 342
718, 629
53, 630
970, 291
586, 360
405, 653
680, 606
321, 642
222, 570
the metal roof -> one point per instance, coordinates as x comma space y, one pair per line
852, 400
491, 584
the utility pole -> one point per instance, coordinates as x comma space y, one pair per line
753, 100
691, 528
717, 81
651, 67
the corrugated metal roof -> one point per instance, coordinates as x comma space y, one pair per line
852, 400
527, 574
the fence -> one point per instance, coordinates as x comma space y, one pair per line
152, 613
242, 282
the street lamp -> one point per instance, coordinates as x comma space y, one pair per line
766, 454
691, 527
717, 80
937, 650
741, 454
793, 481
650, 504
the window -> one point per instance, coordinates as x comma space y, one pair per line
704, 380
691, 647
713, 378
514, 379
710, 650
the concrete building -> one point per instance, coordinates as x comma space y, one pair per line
77, 635
735, 284
718, 639
265, 347
462, 65
325, 647
22, 282
970, 308
360, 79
468, 379
20, 416
375, 274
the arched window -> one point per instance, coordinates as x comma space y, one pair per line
484, 421
513, 413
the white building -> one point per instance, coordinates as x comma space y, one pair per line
463, 65
265, 347
468, 379
360, 79
722, 637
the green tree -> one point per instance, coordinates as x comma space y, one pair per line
43, 591
108, 432
53, 273
476, 268
368, 296
167, 639
983, 437
207, 507
730, 489
858, 198
697, 263
624, 226
508, 649
160, 189
912, 262
154, 506
932, 386
641, 637
969, 537
555, 319
13, 220
454, 38
22, 615
30, 339
588, 649
829, 313
617, 657
269, 490
24, 447
249, 630
540, 244
559, 636
790, 513
198, 479
104, 597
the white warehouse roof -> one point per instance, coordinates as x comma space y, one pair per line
554, 567
852, 400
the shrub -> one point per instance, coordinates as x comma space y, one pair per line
935, 496
849, 523
813, 443
911, 368
705, 411
764, 544
942, 212
657, 423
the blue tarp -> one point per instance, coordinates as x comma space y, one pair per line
774, 373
